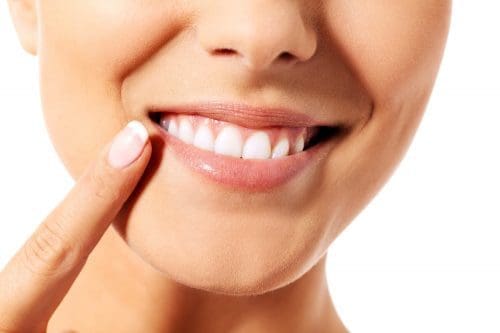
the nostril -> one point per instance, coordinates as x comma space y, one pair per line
224, 51
287, 56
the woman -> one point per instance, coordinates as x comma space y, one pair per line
257, 131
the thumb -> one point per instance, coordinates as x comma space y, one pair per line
36, 279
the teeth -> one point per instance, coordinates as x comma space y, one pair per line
257, 146
170, 125
164, 121
186, 131
228, 142
172, 128
281, 148
204, 138
299, 144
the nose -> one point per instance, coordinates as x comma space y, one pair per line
260, 32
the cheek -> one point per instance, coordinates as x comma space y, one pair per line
85, 48
394, 46
109, 37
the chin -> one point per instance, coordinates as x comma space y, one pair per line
226, 252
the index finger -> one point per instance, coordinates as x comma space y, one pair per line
35, 280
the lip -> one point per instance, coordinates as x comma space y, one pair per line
245, 174
244, 115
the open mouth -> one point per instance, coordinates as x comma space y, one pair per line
244, 147
230, 139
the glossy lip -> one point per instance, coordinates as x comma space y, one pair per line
245, 174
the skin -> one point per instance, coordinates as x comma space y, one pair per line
181, 254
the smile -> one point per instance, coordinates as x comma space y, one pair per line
214, 143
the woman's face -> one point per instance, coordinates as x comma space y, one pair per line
368, 66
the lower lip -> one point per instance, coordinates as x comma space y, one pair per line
245, 174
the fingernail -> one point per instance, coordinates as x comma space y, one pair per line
127, 146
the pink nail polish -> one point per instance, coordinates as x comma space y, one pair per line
127, 145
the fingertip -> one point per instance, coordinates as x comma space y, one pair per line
128, 145
138, 128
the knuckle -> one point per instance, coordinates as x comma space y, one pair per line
49, 252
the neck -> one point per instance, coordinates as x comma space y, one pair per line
127, 294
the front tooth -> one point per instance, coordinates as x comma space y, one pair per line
257, 146
228, 142
186, 131
204, 138
299, 144
281, 148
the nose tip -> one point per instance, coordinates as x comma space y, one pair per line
260, 37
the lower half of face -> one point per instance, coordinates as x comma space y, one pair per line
214, 211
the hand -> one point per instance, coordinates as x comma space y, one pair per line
37, 278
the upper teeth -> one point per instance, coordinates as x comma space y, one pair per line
186, 131
233, 140
281, 148
257, 146
228, 142
204, 138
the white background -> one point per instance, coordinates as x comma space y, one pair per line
424, 256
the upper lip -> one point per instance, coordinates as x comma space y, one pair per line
243, 114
